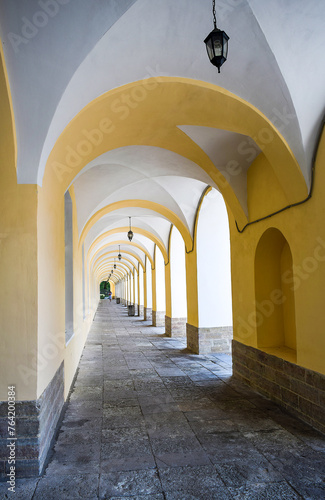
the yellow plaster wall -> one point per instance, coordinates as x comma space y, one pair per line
168, 293
154, 283
51, 288
304, 229
18, 263
75, 346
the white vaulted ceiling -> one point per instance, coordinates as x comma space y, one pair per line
88, 48
85, 49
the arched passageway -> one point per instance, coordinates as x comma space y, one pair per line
212, 171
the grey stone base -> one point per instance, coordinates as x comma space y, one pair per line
131, 310
158, 318
175, 327
36, 423
123, 302
297, 389
209, 340
140, 311
147, 314
117, 300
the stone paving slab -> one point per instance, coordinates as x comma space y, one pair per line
147, 420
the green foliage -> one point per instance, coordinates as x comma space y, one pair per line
105, 287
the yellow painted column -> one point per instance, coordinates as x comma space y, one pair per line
145, 289
168, 290
149, 296
192, 301
138, 285
153, 285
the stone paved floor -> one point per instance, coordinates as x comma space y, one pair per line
147, 420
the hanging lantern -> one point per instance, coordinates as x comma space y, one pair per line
119, 253
217, 43
114, 264
130, 233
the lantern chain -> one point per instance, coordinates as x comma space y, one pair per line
214, 13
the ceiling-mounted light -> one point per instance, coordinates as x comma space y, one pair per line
217, 43
114, 264
130, 233
119, 253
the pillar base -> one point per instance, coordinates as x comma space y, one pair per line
158, 318
117, 300
36, 423
175, 327
147, 314
299, 390
209, 340
140, 311
131, 310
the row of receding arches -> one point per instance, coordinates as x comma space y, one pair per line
159, 285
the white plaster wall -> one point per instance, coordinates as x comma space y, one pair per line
178, 275
160, 281
213, 254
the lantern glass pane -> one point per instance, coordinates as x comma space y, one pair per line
225, 47
210, 49
217, 47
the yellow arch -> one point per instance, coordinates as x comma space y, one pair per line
103, 272
106, 269
215, 107
109, 261
132, 244
102, 278
114, 251
136, 230
100, 262
156, 207
107, 265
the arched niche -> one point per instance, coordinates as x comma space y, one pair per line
274, 294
